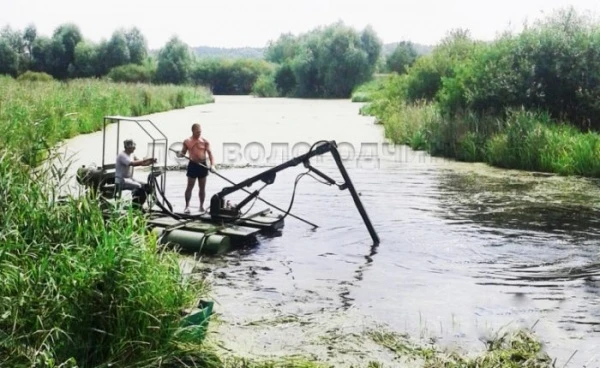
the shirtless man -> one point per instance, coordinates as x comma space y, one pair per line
197, 168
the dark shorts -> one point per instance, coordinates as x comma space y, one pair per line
196, 171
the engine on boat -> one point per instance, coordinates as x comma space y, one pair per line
90, 176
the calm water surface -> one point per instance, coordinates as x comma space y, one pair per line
465, 249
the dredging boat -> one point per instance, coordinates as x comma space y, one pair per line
225, 226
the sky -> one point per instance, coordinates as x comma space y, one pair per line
243, 23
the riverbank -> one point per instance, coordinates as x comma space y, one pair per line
35, 116
524, 140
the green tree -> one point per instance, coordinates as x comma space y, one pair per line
116, 51
65, 38
174, 63
372, 45
403, 56
428, 72
87, 60
137, 45
29, 36
285, 48
13, 38
40, 54
285, 80
326, 62
9, 59
131, 73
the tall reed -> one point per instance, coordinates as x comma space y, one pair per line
78, 289
36, 115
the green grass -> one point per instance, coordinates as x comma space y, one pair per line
367, 92
523, 140
515, 349
79, 289
35, 115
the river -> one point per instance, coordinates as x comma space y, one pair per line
465, 249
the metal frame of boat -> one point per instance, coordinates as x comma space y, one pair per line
226, 226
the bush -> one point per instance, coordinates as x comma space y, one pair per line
35, 77
132, 73
230, 77
265, 87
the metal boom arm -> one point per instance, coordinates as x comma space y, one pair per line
217, 203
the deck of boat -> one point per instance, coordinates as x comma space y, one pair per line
201, 233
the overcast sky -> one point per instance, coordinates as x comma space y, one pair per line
238, 23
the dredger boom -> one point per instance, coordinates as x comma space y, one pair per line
219, 210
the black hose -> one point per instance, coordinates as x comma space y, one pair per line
287, 213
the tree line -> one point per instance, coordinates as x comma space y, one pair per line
328, 61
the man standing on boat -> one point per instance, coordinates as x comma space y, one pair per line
124, 167
197, 168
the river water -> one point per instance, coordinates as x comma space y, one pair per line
466, 250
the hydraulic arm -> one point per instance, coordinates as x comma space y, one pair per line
219, 210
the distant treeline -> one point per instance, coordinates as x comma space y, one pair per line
326, 62
229, 53
528, 100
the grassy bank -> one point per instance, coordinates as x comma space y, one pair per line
37, 115
516, 102
79, 291
525, 140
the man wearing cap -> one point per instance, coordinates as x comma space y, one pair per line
124, 167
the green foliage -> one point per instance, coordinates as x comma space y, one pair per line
40, 55
64, 40
326, 62
403, 57
533, 142
285, 80
552, 66
137, 45
423, 80
565, 50
500, 102
227, 77
88, 62
366, 92
174, 63
36, 116
35, 77
426, 76
506, 350
9, 59
407, 124
371, 44
285, 48
389, 95
116, 51
265, 86
14, 43
78, 289
132, 73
